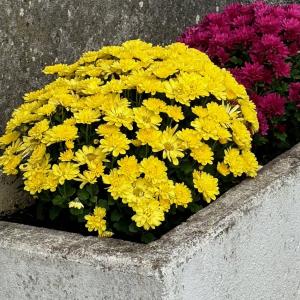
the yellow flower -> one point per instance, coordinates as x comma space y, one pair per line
38, 154
241, 135
236, 163
202, 154
67, 155
154, 104
65, 171
154, 169
10, 163
129, 167
148, 136
38, 129
174, 112
96, 222
148, 214
250, 162
146, 118
183, 195
119, 114
117, 144
76, 204
87, 116
206, 184
105, 129
60, 133
223, 169
89, 154
170, 145
250, 115
87, 177
8, 138
189, 138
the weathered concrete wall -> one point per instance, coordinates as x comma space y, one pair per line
246, 245
12, 196
36, 33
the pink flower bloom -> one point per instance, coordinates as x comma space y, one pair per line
263, 123
257, 42
271, 104
294, 92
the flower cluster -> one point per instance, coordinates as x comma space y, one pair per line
259, 44
130, 133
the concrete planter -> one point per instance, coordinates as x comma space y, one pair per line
246, 245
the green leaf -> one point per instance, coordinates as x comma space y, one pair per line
103, 203
236, 60
194, 207
59, 201
133, 228
147, 237
94, 199
115, 215
54, 212
69, 191
121, 226
40, 211
83, 195
92, 189
186, 167
76, 212
282, 136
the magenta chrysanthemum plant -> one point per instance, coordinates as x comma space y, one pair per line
260, 45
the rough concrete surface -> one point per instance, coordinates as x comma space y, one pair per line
12, 196
35, 33
246, 245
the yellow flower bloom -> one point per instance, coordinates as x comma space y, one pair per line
146, 118
206, 184
202, 154
8, 138
154, 104
223, 169
89, 154
154, 169
250, 162
87, 116
76, 204
119, 114
170, 145
148, 136
241, 135
174, 112
233, 159
60, 133
117, 144
65, 171
148, 214
96, 222
67, 155
183, 195
189, 138
129, 167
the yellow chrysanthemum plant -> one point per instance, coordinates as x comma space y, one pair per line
130, 140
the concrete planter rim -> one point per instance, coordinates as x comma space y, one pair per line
212, 221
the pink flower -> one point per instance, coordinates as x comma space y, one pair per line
263, 123
258, 43
294, 92
271, 104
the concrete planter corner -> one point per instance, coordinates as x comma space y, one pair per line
246, 245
